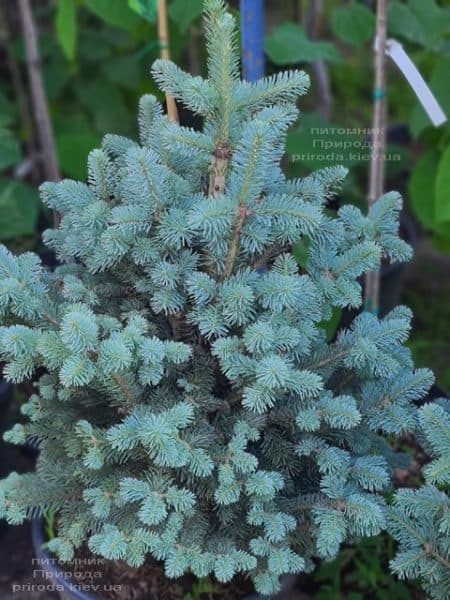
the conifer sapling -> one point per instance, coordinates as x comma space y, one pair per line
189, 406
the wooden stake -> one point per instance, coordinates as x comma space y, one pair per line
377, 162
163, 36
319, 67
20, 91
38, 96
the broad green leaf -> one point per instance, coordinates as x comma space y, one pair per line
420, 22
332, 324
73, 150
92, 47
354, 24
56, 76
432, 19
421, 188
66, 27
300, 251
105, 102
123, 70
441, 241
114, 12
19, 205
145, 8
69, 122
9, 149
8, 111
402, 22
289, 44
439, 84
182, 17
442, 198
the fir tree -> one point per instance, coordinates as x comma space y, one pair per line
190, 406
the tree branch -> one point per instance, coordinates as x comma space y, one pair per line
218, 169
241, 214
129, 398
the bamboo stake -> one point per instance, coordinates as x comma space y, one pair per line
377, 164
38, 96
163, 36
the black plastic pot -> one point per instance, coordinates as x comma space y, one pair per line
55, 572
45, 561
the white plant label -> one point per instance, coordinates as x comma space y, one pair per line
431, 106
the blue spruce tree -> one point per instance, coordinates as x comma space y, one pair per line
420, 519
190, 406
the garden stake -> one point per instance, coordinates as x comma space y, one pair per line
163, 35
252, 34
377, 167
31, 159
319, 67
39, 99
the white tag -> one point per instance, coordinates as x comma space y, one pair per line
432, 107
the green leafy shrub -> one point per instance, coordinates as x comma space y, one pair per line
191, 407
424, 29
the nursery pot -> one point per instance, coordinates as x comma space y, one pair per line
60, 578
55, 572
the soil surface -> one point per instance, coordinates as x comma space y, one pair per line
20, 581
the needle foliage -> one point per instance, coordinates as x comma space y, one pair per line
188, 405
